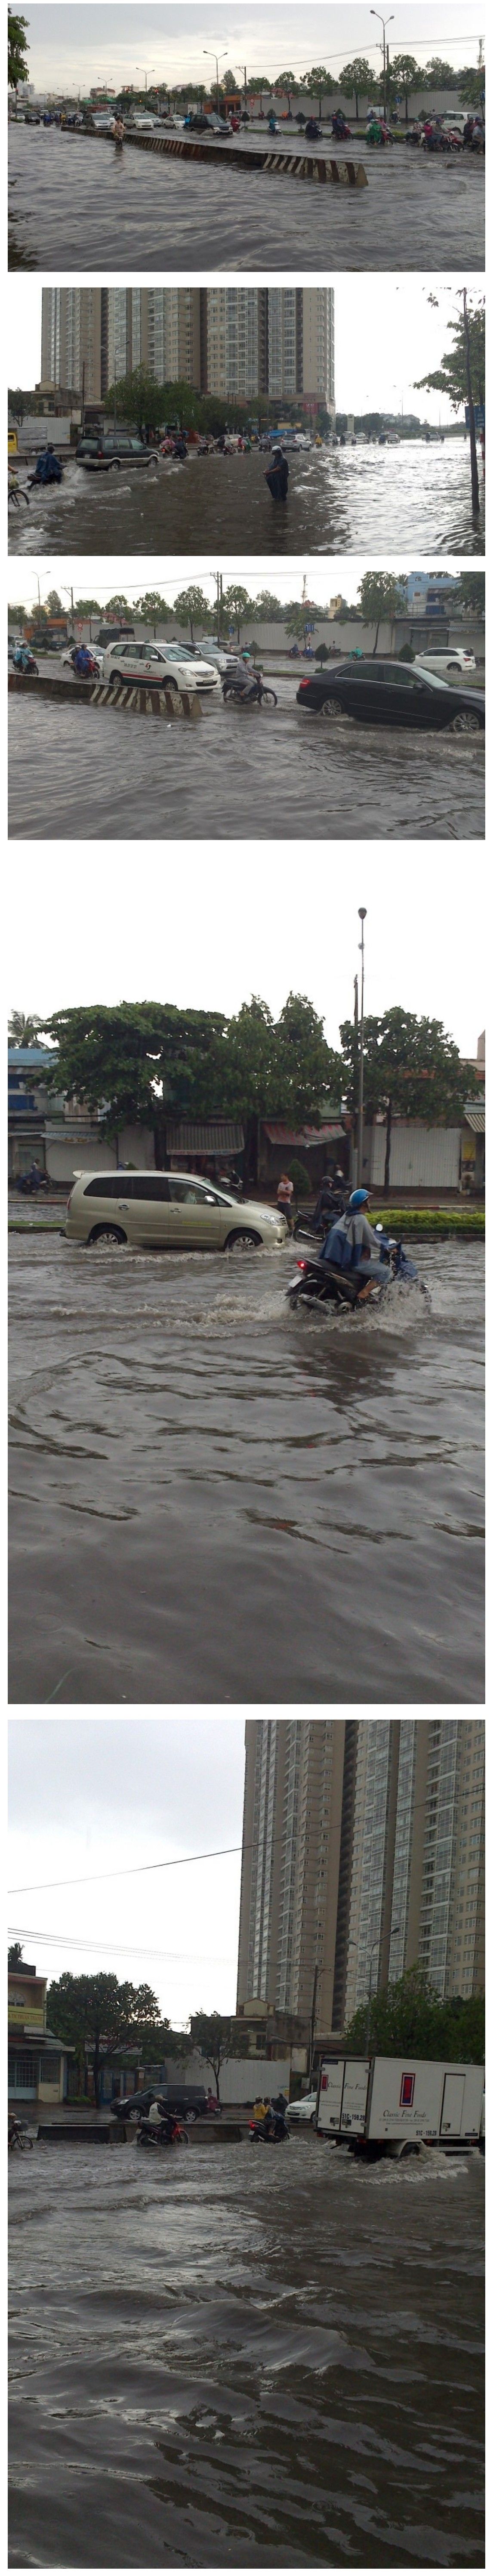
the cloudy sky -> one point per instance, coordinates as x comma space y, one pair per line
77, 46
386, 335
91, 1796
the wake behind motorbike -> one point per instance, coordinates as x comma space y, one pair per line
324, 1283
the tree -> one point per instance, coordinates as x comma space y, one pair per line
17, 49
410, 2018
407, 73
14, 1955
287, 82
17, 403
411, 1069
153, 605
214, 2035
54, 605
267, 607
98, 2013
438, 75
357, 80
237, 601
192, 608
297, 618
88, 608
16, 613
317, 82
144, 1060
381, 594
321, 653
471, 86
450, 377
276, 1069
472, 593
137, 398
118, 606
23, 1032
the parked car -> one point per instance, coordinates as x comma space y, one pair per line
446, 657
305, 2109
112, 450
215, 654
142, 121
212, 124
168, 1211
167, 665
394, 693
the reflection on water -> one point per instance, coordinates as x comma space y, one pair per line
129, 210
223, 2362
204, 1484
343, 501
89, 772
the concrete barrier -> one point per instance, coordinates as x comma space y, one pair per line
279, 165
139, 701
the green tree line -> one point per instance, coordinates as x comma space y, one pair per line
410, 2015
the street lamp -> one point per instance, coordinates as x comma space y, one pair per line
215, 58
383, 22
361, 944
140, 67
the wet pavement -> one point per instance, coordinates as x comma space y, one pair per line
131, 210
95, 772
223, 2360
341, 500
203, 1483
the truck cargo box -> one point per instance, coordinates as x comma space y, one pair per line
391, 2101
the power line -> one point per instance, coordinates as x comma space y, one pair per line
118, 1950
92, 1878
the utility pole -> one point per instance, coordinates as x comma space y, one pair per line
362, 917
472, 422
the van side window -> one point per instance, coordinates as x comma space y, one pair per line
108, 1185
149, 1185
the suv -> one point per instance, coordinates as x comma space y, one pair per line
100, 454
446, 657
215, 654
169, 1212
167, 666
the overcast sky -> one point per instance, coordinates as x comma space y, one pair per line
91, 1795
386, 335
72, 45
258, 918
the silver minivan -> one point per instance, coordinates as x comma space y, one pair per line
169, 1211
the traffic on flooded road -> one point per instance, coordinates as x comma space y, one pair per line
340, 499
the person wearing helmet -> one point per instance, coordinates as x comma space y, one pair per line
350, 1243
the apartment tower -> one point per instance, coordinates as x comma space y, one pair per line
234, 341
363, 1853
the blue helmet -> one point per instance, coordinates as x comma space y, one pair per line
359, 1199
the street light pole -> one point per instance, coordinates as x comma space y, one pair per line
217, 59
384, 22
472, 419
362, 918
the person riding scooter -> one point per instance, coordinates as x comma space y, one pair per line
350, 1244
83, 663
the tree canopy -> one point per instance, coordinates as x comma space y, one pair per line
18, 69
146, 1061
472, 593
412, 1069
14, 1955
23, 1029
357, 80
471, 85
410, 2015
381, 594
451, 376
97, 2012
405, 73
192, 608
213, 2034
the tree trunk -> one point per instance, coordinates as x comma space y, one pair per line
388, 1134
377, 635
97, 2070
216, 2077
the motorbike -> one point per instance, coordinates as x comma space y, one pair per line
271, 2131
341, 131
17, 2134
23, 660
28, 1187
313, 131
89, 670
323, 1283
314, 1228
249, 692
169, 2134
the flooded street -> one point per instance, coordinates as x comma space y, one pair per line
204, 1484
95, 772
131, 210
224, 2360
342, 501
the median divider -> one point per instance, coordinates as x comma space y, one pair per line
278, 165
138, 701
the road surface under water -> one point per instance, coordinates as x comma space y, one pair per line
83, 772
224, 2359
343, 500
128, 210
204, 1484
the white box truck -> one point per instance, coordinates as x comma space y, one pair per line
385, 2105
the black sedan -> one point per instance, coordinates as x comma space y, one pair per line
392, 693
208, 125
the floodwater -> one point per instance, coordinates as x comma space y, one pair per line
220, 2360
88, 772
216, 1499
102, 209
341, 501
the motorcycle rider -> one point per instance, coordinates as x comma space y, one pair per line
350, 1244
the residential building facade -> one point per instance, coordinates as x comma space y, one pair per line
363, 1855
235, 341
37, 2062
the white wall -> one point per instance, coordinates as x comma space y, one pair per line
420, 1157
242, 2079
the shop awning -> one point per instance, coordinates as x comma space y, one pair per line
306, 1136
476, 1118
213, 1136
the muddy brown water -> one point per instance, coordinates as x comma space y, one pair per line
112, 210
340, 501
80, 772
244, 2358
216, 1499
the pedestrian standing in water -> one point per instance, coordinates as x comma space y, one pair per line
277, 476
284, 1197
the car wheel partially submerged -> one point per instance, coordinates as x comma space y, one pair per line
107, 1234
243, 1241
466, 721
331, 707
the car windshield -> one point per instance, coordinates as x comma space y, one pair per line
176, 652
430, 680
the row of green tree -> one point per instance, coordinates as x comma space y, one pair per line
149, 1061
357, 79
381, 595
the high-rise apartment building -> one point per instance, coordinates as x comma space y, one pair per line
363, 1853
234, 341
